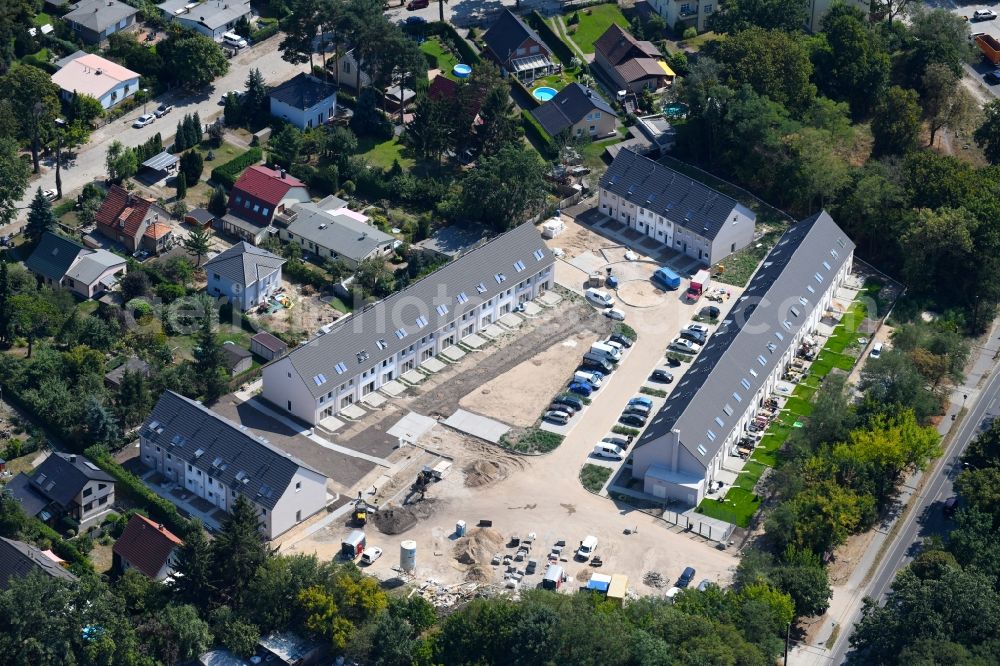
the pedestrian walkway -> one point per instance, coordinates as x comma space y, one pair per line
477, 426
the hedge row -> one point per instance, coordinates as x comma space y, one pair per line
158, 508
61, 547
533, 129
529, 101
226, 174
445, 30
267, 28
551, 39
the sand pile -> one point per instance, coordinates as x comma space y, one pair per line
478, 545
482, 473
479, 573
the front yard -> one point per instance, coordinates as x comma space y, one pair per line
594, 21
383, 154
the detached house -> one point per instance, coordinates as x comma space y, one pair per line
135, 222
147, 547
94, 21
212, 18
331, 230
679, 212
65, 484
217, 461
629, 63
517, 49
579, 111
257, 197
61, 262
90, 74
356, 357
19, 560
304, 101
680, 14
245, 274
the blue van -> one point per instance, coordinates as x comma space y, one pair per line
666, 278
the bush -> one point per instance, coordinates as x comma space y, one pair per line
300, 272
623, 430
226, 174
593, 477
266, 28
532, 441
533, 129
626, 330
159, 509
690, 32
656, 393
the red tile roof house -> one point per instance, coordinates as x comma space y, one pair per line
259, 195
125, 218
147, 546
629, 63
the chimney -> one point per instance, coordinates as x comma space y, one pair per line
72, 458
282, 172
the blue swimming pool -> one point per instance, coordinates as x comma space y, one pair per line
544, 93
461, 70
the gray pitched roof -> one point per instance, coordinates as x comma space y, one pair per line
673, 195
62, 476
269, 342
99, 14
244, 263
92, 264
340, 233
53, 256
303, 91
212, 14
131, 364
220, 448
355, 341
731, 355
507, 33
569, 107
234, 354
19, 559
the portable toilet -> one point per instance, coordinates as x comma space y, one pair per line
353, 545
460, 528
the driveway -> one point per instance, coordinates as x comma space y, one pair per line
466, 13
975, 71
89, 163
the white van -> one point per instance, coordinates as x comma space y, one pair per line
234, 40
877, 350
617, 345
599, 297
591, 378
608, 351
606, 450
587, 548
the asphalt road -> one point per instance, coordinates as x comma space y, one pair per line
466, 13
926, 517
88, 164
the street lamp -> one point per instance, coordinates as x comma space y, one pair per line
145, 96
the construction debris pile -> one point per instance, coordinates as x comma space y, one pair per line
477, 546
654, 579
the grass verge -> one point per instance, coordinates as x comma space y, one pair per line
532, 440
593, 477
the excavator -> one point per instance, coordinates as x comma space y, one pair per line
361, 510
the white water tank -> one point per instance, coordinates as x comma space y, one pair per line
408, 555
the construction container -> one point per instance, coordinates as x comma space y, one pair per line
408, 555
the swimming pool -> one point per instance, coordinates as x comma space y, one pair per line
461, 70
675, 110
544, 93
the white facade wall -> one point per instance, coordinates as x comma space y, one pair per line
254, 294
304, 497
315, 116
286, 389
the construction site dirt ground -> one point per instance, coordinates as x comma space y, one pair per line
520, 495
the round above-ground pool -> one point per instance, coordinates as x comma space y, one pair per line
544, 93
461, 70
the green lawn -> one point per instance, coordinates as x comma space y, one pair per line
383, 154
222, 154
339, 305
445, 61
737, 507
41, 18
557, 81
739, 266
594, 21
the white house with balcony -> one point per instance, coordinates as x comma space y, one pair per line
680, 14
245, 274
371, 348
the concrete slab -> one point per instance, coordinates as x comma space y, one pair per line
588, 262
473, 341
393, 389
374, 400
493, 332
412, 377
477, 426
532, 309
352, 412
331, 423
432, 365
452, 353
511, 321
411, 427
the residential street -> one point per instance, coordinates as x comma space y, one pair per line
89, 162
982, 386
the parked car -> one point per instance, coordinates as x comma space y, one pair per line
595, 364
696, 337
580, 388
600, 297
371, 554
701, 328
634, 420
556, 416
614, 314
661, 375
709, 311
876, 350
420, 20
143, 120
641, 410
641, 400
704, 585
984, 15
587, 548
163, 110
570, 401
950, 506
225, 96
682, 345
992, 78
686, 577
617, 440
417, 4
612, 451
50, 195
621, 339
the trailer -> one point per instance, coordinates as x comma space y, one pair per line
990, 47
698, 285
353, 545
